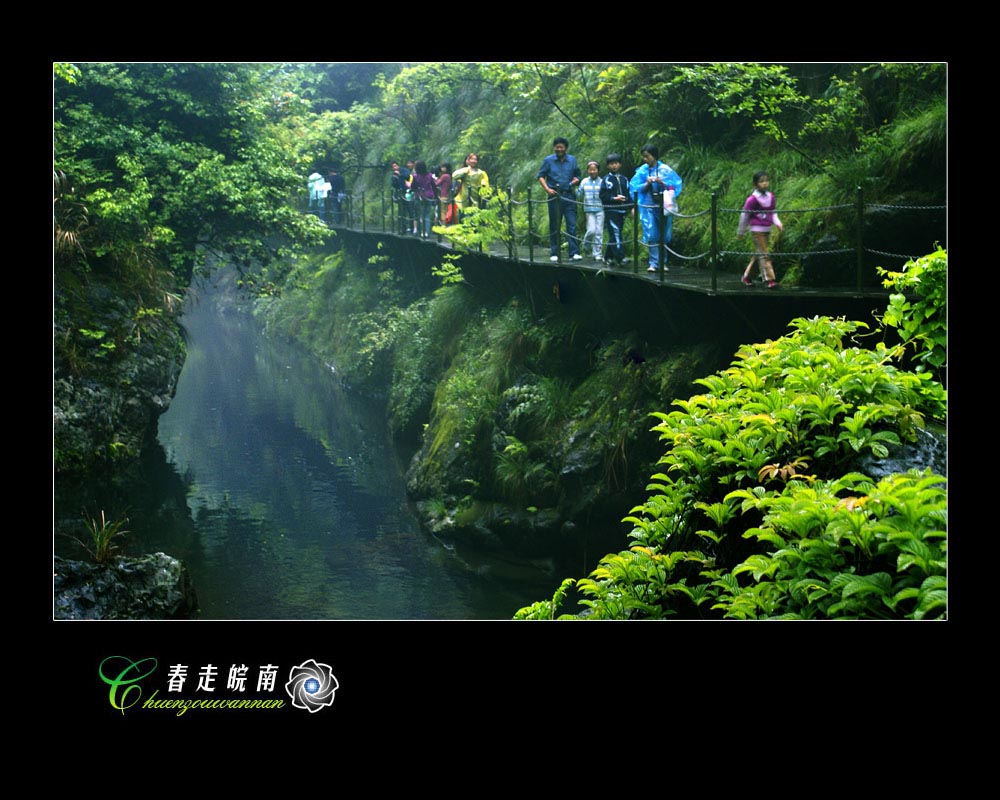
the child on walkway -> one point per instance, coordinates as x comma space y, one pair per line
614, 198
758, 213
590, 191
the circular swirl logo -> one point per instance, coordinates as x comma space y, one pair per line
311, 686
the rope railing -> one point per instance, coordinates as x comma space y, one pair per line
839, 207
419, 216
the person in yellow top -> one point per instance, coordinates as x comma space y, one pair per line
471, 184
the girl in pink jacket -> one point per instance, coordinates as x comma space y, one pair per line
758, 214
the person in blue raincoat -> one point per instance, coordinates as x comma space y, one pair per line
649, 184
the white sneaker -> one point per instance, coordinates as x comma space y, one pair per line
553, 258
650, 268
578, 257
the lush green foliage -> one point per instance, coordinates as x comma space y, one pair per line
481, 227
505, 111
187, 158
757, 512
160, 169
848, 548
921, 324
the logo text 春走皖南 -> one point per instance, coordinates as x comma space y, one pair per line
133, 686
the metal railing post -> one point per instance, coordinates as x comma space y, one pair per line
714, 257
531, 229
511, 249
663, 244
364, 224
559, 228
636, 221
860, 245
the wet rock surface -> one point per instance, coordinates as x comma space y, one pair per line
106, 402
929, 451
155, 586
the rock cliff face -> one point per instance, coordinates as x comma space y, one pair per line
155, 586
109, 392
115, 372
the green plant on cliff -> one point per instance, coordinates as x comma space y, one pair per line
845, 549
449, 270
482, 226
755, 512
100, 542
522, 476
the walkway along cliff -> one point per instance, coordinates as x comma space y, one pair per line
521, 396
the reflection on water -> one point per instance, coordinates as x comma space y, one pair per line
293, 502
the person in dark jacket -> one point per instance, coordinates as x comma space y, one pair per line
615, 198
399, 181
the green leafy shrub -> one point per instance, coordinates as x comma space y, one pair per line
921, 323
756, 512
846, 549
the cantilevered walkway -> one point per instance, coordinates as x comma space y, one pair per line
835, 267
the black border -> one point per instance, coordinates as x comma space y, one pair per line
410, 678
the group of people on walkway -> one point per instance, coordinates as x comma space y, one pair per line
651, 193
327, 196
424, 197
427, 196
607, 201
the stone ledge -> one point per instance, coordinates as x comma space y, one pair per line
155, 586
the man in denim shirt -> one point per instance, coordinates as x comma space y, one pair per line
559, 177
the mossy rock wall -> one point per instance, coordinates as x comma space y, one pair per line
106, 401
522, 395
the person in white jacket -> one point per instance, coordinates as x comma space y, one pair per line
318, 187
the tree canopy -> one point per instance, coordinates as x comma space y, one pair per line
183, 160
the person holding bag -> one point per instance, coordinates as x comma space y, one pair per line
651, 182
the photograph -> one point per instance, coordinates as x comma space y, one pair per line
358, 364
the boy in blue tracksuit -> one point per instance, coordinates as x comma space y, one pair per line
650, 182
615, 199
